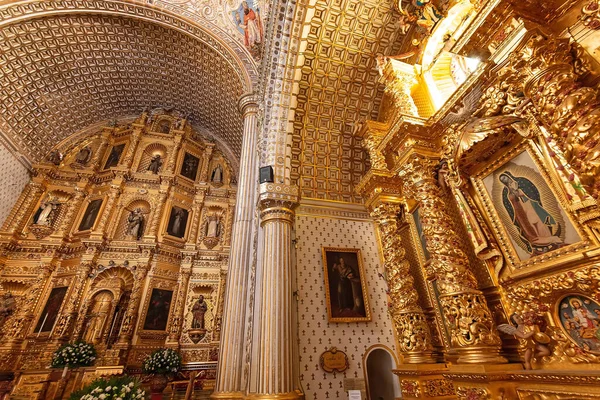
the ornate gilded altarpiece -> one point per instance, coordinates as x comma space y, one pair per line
88, 251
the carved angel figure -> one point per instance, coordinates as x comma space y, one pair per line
530, 334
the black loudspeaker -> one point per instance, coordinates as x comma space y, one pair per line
266, 174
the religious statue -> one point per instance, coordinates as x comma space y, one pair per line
84, 155
535, 340
538, 229
198, 311
426, 15
155, 164
349, 291
217, 174
135, 223
213, 226
46, 214
97, 317
8, 305
55, 157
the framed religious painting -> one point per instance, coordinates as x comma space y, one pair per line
49, 314
528, 216
189, 166
89, 217
345, 285
579, 318
114, 156
177, 223
157, 313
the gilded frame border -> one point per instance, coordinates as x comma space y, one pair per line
363, 285
551, 258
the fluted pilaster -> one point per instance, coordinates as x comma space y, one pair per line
410, 323
472, 330
231, 360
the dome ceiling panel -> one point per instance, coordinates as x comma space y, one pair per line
62, 73
339, 87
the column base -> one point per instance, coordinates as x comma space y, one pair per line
484, 381
479, 355
227, 395
296, 395
424, 380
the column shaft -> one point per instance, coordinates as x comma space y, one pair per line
231, 360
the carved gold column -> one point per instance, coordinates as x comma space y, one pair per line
136, 135
172, 163
466, 314
96, 160
130, 318
24, 207
68, 316
163, 192
182, 284
195, 220
73, 205
206, 162
113, 193
412, 331
230, 383
272, 369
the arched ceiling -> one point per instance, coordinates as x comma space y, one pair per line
62, 72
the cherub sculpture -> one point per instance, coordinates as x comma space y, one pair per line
531, 333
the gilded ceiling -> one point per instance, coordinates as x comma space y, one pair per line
62, 73
338, 88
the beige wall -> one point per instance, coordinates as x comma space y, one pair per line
13, 177
315, 333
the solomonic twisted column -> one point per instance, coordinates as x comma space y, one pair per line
414, 336
472, 330
230, 383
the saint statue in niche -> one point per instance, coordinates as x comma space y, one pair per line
135, 223
84, 155
55, 157
97, 317
538, 229
155, 164
217, 174
46, 212
213, 227
198, 311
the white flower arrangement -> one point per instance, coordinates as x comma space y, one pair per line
72, 355
162, 362
116, 388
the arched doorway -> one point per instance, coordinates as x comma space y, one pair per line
382, 384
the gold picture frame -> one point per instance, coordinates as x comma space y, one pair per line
516, 193
350, 300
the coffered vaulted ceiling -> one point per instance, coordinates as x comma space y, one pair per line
338, 88
62, 73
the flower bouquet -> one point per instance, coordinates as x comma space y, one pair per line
115, 388
73, 355
160, 364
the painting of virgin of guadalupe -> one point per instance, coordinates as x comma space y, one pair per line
530, 212
580, 319
248, 20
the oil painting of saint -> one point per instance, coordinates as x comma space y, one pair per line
177, 222
580, 319
114, 156
189, 167
51, 309
528, 210
345, 285
89, 217
248, 20
157, 314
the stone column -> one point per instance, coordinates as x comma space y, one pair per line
412, 331
231, 359
68, 317
465, 311
130, 319
272, 373
183, 281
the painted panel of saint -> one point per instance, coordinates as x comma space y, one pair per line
422, 241
345, 285
50, 312
580, 319
189, 167
114, 156
248, 20
157, 314
530, 212
177, 222
90, 215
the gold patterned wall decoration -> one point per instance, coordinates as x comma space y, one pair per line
338, 86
